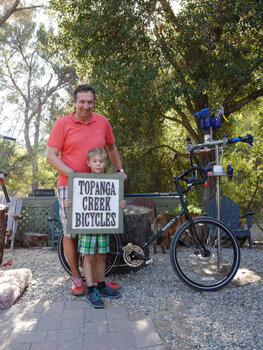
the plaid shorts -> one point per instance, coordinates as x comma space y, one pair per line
62, 195
89, 243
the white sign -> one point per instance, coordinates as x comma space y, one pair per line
95, 203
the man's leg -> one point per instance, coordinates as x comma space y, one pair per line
70, 246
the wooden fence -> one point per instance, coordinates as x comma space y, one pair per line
36, 211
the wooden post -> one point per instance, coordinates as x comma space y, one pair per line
3, 223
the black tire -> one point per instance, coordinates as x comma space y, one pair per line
197, 269
112, 260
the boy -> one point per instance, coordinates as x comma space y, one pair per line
88, 244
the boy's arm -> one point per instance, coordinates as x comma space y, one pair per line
123, 204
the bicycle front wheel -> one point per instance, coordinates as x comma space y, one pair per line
112, 258
205, 256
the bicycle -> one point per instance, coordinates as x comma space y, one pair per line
204, 252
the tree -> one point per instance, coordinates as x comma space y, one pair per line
31, 77
167, 66
246, 187
9, 7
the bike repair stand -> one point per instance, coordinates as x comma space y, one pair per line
209, 121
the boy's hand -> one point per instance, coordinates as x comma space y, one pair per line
123, 204
68, 203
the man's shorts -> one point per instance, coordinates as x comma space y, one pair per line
62, 195
89, 244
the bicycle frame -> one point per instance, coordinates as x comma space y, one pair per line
159, 233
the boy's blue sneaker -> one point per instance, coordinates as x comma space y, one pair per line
108, 292
94, 299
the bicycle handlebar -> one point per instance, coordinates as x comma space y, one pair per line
223, 142
7, 138
247, 139
193, 181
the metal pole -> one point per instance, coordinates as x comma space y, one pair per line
218, 205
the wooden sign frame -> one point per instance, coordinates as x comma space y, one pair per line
95, 203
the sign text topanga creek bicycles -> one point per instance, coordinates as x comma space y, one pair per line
95, 203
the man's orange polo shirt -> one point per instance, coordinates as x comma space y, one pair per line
74, 139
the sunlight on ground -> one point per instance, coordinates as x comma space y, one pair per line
245, 276
141, 325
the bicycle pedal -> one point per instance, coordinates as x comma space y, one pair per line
149, 261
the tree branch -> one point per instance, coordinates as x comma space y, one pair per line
14, 9
168, 10
12, 78
232, 94
186, 123
252, 198
9, 12
189, 105
28, 8
178, 154
244, 101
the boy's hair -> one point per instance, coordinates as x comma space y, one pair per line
97, 151
84, 87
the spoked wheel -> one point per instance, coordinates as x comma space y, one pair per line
208, 266
112, 259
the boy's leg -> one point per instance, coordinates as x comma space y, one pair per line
100, 268
109, 283
103, 249
87, 246
87, 269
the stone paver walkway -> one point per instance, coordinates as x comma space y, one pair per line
74, 326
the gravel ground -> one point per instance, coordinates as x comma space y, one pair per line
185, 319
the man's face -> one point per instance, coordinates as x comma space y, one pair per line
84, 104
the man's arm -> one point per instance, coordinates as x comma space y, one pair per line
53, 159
114, 156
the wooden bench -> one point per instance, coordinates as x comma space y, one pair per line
230, 217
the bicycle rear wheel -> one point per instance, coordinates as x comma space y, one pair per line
207, 268
112, 259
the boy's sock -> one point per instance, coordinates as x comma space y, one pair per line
101, 285
90, 289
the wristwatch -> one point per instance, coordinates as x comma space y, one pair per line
120, 171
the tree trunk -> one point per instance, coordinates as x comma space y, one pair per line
139, 223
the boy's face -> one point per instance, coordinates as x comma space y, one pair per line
97, 164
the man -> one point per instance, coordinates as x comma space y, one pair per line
71, 137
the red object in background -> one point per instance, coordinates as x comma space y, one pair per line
8, 263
